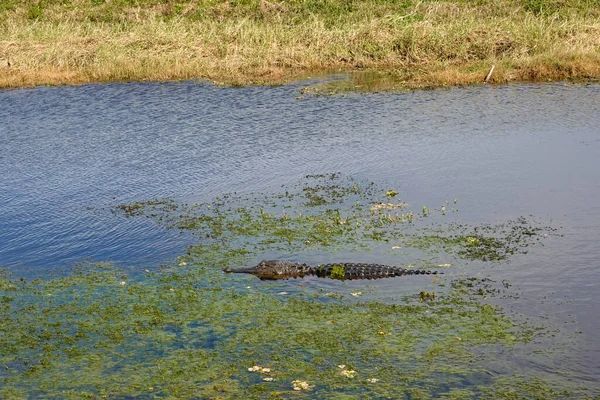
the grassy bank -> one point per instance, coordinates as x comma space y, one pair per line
415, 43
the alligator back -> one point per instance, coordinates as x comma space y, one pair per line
344, 271
276, 269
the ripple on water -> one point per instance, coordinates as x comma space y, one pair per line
68, 154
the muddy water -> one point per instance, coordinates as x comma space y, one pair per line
67, 154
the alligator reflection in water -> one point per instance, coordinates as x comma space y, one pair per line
276, 269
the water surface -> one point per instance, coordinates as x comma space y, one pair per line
68, 154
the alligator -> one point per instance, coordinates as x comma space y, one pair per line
276, 269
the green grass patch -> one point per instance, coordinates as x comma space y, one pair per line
386, 45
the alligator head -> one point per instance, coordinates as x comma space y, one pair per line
271, 270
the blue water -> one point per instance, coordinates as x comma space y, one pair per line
68, 154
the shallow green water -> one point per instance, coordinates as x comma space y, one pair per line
189, 331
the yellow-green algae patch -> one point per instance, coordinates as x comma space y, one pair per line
191, 334
338, 271
189, 331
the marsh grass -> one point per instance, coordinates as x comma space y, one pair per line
415, 44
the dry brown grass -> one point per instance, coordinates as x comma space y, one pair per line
426, 44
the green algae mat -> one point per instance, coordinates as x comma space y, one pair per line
186, 330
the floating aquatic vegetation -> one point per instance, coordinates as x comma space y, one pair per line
485, 242
389, 206
332, 213
188, 331
349, 373
426, 296
258, 368
301, 385
186, 334
391, 193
